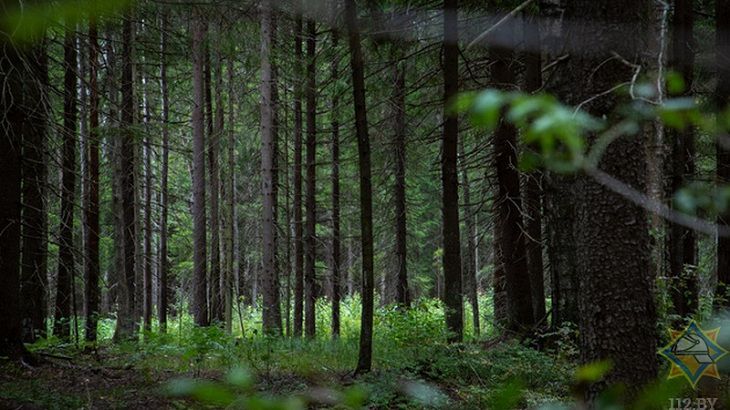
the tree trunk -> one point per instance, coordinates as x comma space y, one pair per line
15, 111
298, 229
200, 303
402, 296
34, 213
126, 320
681, 241
364, 361
616, 299
231, 268
311, 205
148, 234
469, 280
215, 125
91, 296
508, 210
533, 180
271, 323
453, 303
336, 245
722, 22
164, 264
64, 283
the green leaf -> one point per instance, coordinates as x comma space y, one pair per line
487, 108
675, 83
593, 372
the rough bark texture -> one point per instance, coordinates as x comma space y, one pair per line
126, 319
200, 302
311, 205
402, 296
34, 216
616, 299
271, 318
722, 21
164, 191
66, 269
364, 361
298, 228
682, 242
91, 290
450, 179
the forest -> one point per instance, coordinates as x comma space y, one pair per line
365, 204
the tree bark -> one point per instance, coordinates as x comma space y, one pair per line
230, 273
336, 242
533, 180
15, 111
271, 323
66, 269
450, 179
126, 320
469, 280
200, 303
165, 195
364, 361
722, 97
402, 295
616, 299
508, 210
34, 212
681, 241
298, 222
91, 296
311, 205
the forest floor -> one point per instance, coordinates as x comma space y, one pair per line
155, 375
413, 368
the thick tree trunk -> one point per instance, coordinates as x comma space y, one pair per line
126, 319
200, 303
450, 179
15, 111
364, 361
310, 248
336, 242
271, 319
91, 295
164, 194
64, 283
402, 296
722, 96
34, 216
298, 228
616, 298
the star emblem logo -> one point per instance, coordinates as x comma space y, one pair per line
694, 353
